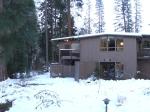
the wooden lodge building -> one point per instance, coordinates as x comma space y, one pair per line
116, 55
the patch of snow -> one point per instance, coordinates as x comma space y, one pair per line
44, 94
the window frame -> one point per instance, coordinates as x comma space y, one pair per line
145, 45
111, 44
106, 40
119, 47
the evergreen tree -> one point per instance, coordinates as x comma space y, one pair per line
89, 17
137, 15
1, 6
123, 20
57, 23
79, 3
100, 13
18, 34
69, 18
86, 29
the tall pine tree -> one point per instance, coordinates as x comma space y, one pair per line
123, 20
18, 34
137, 16
59, 22
1, 6
100, 13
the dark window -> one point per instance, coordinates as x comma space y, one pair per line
111, 44
68, 62
67, 46
104, 44
146, 44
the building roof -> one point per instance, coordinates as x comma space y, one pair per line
145, 35
101, 34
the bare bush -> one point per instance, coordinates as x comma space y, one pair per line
47, 98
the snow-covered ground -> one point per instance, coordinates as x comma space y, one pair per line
44, 94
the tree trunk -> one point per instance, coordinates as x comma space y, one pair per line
124, 18
1, 6
46, 33
89, 17
69, 18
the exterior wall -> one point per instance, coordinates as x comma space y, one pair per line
62, 70
86, 69
90, 52
130, 57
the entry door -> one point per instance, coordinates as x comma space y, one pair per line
108, 70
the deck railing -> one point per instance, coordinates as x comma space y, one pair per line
70, 52
144, 53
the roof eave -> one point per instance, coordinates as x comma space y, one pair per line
136, 35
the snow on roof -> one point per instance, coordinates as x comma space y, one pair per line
67, 49
100, 34
145, 34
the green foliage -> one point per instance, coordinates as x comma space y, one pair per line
123, 19
18, 34
138, 19
57, 18
100, 12
5, 106
14, 15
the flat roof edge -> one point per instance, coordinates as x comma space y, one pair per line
99, 34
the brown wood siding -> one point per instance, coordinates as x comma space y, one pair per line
62, 70
90, 52
86, 69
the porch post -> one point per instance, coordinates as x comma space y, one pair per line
77, 71
59, 56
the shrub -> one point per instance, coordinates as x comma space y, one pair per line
5, 106
140, 75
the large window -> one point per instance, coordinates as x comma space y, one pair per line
111, 70
103, 44
119, 44
111, 44
146, 44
